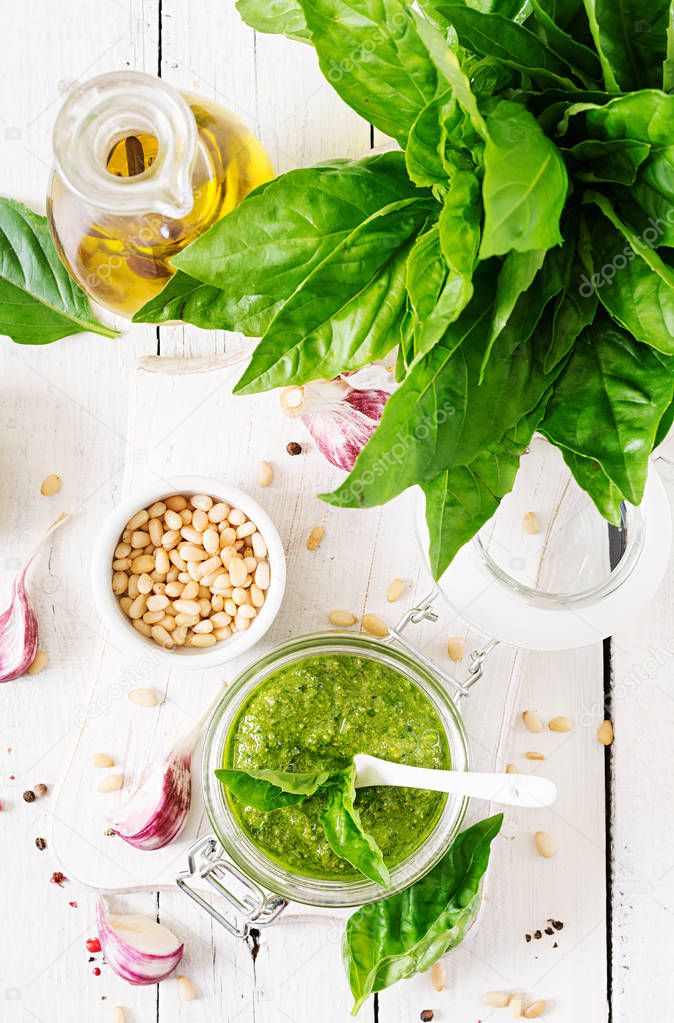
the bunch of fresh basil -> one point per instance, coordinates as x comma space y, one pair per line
517, 249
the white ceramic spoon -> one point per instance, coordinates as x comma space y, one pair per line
509, 789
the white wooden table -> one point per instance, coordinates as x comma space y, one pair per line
63, 409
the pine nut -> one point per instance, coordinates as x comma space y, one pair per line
259, 545
156, 510
496, 999
256, 596
153, 617
202, 502
173, 521
227, 537
239, 595
125, 603
561, 724
190, 552
535, 1010
121, 564
168, 622
50, 485
605, 733
176, 502
180, 635
218, 513
265, 474
161, 561
186, 516
144, 563
202, 627
208, 566
133, 587
220, 620
117, 1014
515, 1006
161, 636
211, 541
217, 602
186, 989
374, 625
138, 607
544, 844
438, 976
342, 619
315, 537
207, 640
39, 663
143, 697
237, 571
532, 721
246, 611
456, 647
138, 520
236, 517
139, 539
188, 620
122, 550
222, 633
395, 590
247, 529
186, 607
191, 535
145, 583
530, 523
112, 783
142, 627
120, 581
170, 539
511, 769
262, 575
157, 603
176, 560
241, 623
200, 520
102, 760
534, 755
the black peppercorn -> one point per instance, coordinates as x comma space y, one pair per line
293, 448
40, 790
29, 796
41, 843
426, 1015
537, 935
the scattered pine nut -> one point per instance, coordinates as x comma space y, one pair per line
186, 989
40, 662
102, 760
265, 474
112, 783
456, 647
496, 999
438, 976
315, 537
511, 769
143, 697
342, 619
605, 733
532, 721
117, 1014
530, 523
515, 1006
561, 724
534, 755
395, 590
50, 485
535, 1010
374, 625
544, 844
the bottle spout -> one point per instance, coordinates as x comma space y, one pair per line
110, 108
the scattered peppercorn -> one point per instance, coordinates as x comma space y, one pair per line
58, 878
93, 945
549, 930
293, 448
426, 1015
41, 843
96, 971
557, 924
538, 935
555, 945
527, 938
29, 796
41, 790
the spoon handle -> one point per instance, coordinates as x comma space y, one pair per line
526, 790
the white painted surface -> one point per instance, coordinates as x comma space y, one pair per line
63, 409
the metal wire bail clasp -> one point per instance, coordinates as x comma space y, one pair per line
425, 611
250, 905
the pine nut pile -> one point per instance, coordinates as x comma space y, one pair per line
190, 571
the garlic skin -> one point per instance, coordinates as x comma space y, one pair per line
157, 811
19, 631
139, 950
341, 414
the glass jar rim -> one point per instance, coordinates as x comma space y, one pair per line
267, 871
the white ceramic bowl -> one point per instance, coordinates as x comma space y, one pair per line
121, 629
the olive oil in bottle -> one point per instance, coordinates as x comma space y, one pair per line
141, 171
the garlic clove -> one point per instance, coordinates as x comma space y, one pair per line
19, 632
139, 950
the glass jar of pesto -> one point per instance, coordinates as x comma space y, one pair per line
326, 694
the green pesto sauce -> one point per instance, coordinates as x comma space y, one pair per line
312, 714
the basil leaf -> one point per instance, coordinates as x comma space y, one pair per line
371, 54
450, 71
39, 300
406, 933
608, 403
515, 10
344, 830
460, 500
492, 35
264, 249
437, 293
425, 145
589, 475
270, 790
631, 40
654, 192
281, 17
525, 184
459, 222
441, 416
575, 310
637, 297
516, 276
668, 63
616, 162
184, 298
644, 116
580, 58
346, 311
